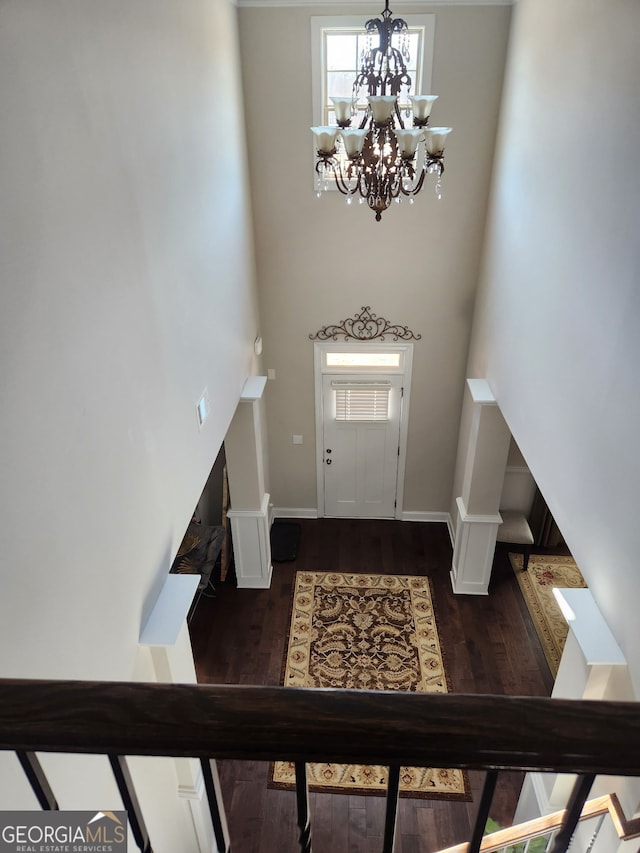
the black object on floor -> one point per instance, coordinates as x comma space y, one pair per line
285, 538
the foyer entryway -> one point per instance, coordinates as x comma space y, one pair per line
240, 638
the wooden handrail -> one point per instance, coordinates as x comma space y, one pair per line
625, 827
501, 838
475, 732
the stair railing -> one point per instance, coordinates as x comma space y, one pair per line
541, 827
473, 732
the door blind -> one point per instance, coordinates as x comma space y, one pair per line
361, 401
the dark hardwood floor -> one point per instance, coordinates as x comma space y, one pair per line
489, 646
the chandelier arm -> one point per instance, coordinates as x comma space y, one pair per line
341, 183
417, 187
330, 162
321, 161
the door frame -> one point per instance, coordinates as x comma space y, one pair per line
320, 369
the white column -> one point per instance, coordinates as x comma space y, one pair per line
167, 636
250, 531
477, 516
250, 513
473, 551
592, 667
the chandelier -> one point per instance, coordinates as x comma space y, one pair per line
381, 160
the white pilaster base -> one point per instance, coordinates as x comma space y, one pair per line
473, 552
192, 790
250, 530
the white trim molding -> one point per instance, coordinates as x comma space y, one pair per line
334, 4
294, 512
169, 613
194, 789
425, 516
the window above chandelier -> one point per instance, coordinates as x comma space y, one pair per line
381, 148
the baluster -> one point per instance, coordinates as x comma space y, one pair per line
130, 801
577, 800
482, 815
302, 799
391, 811
37, 779
596, 833
216, 807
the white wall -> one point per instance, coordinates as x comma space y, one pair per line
319, 261
556, 332
126, 269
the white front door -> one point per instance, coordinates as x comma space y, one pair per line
361, 428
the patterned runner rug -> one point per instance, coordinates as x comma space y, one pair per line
537, 583
367, 632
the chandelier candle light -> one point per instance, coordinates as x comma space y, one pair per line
381, 160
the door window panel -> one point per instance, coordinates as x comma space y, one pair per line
361, 402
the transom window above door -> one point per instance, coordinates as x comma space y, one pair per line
361, 357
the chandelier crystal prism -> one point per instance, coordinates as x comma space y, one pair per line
381, 160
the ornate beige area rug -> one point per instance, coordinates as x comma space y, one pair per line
366, 632
537, 584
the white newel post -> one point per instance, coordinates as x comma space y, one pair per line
166, 634
250, 514
477, 517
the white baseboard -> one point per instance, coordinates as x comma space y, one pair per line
409, 515
442, 517
418, 515
452, 530
294, 512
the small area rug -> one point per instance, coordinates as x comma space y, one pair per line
366, 632
537, 583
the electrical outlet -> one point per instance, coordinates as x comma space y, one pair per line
297, 439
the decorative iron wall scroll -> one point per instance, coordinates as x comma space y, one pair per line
365, 326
